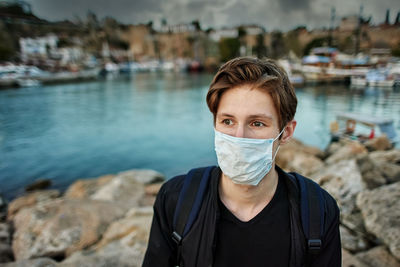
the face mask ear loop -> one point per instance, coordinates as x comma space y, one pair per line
279, 146
279, 134
276, 153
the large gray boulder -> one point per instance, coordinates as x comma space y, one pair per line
31, 199
377, 257
343, 181
388, 163
348, 260
126, 189
85, 188
353, 241
381, 213
61, 227
379, 143
349, 151
392, 156
123, 244
295, 156
370, 172
39, 262
6, 253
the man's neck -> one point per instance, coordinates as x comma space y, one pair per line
246, 201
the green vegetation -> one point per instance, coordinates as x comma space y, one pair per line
260, 49
293, 43
396, 50
278, 45
229, 48
7, 50
317, 42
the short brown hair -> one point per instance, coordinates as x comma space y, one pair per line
264, 74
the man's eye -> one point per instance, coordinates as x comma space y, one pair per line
227, 122
258, 124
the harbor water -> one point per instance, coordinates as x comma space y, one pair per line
158, 121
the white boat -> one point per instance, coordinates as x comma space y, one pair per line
373, 78
358, 81
379, 78
362, 127
28, 82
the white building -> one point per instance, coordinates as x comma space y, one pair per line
217, 35
40, 46
253, 30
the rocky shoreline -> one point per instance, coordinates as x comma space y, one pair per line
105, 221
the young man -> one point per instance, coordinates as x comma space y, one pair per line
250, 214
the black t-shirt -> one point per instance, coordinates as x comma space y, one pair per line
263, 241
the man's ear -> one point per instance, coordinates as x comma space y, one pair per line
288, 133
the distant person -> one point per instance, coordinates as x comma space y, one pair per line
247, 212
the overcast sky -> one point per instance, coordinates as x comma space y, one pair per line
278, 14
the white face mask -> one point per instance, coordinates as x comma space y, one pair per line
244, 160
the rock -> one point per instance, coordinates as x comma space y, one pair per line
60, 227
294, 156
381, 213
30, 200
6, 254
305, 164
390, 171
349, 260
143, 176
3, 208
388, 163
135, 224
332, 148
82, 189
153, 189
5, 233
354, 221
370, 172
38, 185
343, 181
39, 262
353, 241
348, 151
377, 257
123, 244
379, 143
392, 156
126, 188
114, 254
123, 189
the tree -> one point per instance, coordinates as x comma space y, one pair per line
292, 42
397, 20
317, 42
196, 25
278, 48
260, 49
229, 48
396, 50
387, 19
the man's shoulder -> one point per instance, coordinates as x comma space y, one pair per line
172, 187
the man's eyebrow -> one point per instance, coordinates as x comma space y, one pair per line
224, 115
259, 115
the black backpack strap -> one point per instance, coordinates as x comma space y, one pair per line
189, 203
312, 207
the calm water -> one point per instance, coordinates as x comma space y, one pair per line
151, 120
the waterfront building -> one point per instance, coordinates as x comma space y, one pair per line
38, 47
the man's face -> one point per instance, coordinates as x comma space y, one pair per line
247, 113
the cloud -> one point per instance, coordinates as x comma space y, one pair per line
282, 14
